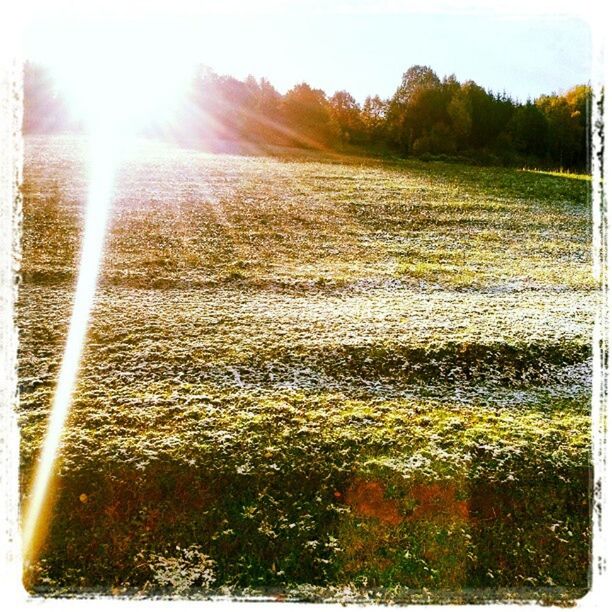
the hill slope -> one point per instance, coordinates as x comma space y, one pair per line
318, 373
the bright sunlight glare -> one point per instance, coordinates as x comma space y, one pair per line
101, 178
112, 89
124, 77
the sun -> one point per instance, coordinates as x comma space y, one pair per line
124, 78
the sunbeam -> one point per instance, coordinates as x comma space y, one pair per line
103, 149
114, 91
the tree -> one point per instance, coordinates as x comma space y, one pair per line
460, 117
45, 111
346, 114
266, 121
415, 79
307, 114
528, 130
568, 118
489, 115
374, 117
415, 107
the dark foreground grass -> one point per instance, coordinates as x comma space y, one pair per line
315, 380
280, 489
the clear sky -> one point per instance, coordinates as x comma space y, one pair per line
364, 52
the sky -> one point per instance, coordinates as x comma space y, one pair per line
361, 48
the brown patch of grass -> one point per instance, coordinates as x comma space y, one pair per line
367, 499
437, 502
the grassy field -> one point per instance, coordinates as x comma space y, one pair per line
314, 377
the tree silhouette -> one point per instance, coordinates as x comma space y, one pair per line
425, 115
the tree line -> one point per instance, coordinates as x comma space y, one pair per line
426, 116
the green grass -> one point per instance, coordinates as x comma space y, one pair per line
315, 377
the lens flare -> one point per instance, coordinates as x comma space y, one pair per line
115, 89
102, 155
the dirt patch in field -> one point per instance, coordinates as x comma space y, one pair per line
432, 502
367, 499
